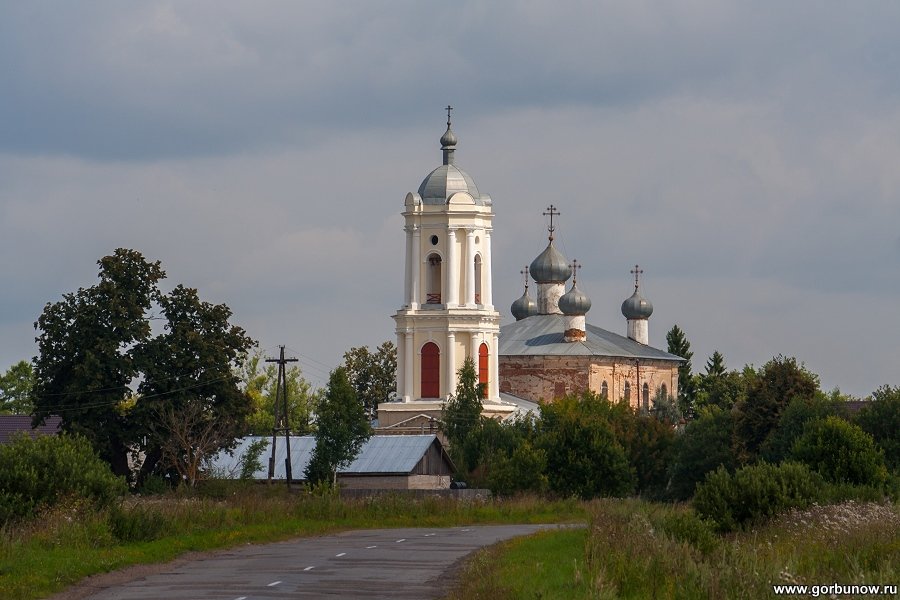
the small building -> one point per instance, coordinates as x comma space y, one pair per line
12, 425
385, 462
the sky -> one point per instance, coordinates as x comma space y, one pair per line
745, 154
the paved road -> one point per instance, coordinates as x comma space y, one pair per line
375, 563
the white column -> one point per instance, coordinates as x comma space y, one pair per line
470, 267
401, 364
473, 348
416, 267
452, 269
494, 367
487, 298
407, 272
451, 362
409, 356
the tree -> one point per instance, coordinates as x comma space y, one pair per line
703, 446
15, 389
794, 419
259, 383
584, 458
372, 374
462, 411
96, 344
768, 393
880, 418
88, 346
715, 365
190, 395
341, 429
679, 346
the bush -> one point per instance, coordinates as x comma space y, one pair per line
755, 493
841, 452
40, 472
880, 418
793, 421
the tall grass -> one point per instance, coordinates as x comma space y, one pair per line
75, 540
636, 549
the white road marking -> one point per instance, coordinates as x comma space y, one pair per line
341, 554
309, 568
400, 540
467, 530
273, 584
370, 547
241, 598
429, 534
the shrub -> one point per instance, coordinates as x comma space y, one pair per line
841, 452
754, 493
793, 421
39, 472
137, 524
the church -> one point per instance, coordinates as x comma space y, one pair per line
447, 314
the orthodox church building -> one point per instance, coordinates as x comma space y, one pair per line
447, 314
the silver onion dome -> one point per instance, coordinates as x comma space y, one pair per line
550, 266
523, 307
637, 307
574, 302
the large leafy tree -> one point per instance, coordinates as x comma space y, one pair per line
88, 347
101, 369
680, 346
15, 389
372, 374
189, 380
341, 429
880, 418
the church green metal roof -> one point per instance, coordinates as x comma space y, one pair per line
543, 335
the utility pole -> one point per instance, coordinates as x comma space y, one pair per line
282, 423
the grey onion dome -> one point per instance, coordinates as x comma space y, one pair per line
574, 302
550, 266
637, 307
523, 307
449, 138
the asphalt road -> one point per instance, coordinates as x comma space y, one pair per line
374, 563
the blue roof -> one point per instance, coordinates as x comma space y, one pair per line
381, 454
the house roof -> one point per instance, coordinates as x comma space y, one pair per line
10, 425
540, 335
380, 455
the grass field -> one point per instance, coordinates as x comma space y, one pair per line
635, 549
71, 542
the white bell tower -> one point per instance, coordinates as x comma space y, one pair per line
447, 312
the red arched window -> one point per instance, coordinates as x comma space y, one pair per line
431, 371
483, 366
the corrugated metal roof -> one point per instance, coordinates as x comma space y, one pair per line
10, 425
543, 335
381, 454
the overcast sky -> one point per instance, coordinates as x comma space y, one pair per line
747, 155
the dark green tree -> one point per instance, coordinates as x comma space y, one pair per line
102, 371
584, 458
880, 418
88, 346
15, 389
703, 446
715, 365
190, 378
372, 374
342, 428
462, 417
680, 346
769, 391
